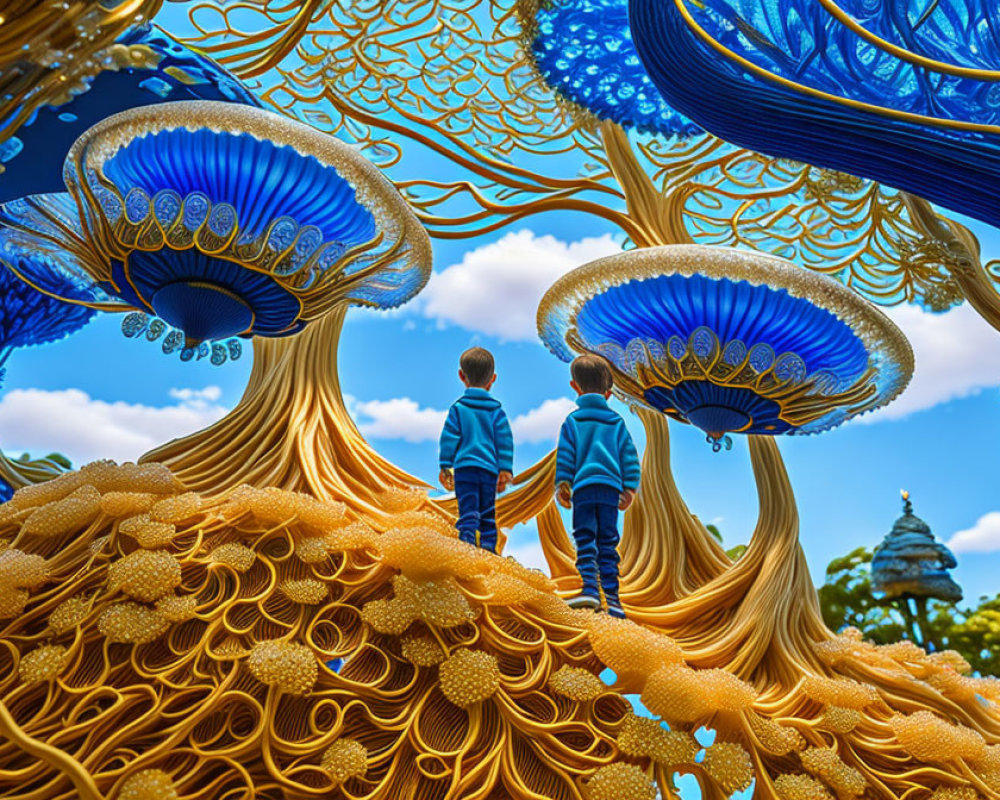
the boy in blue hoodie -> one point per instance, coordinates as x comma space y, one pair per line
597, 473
477, 451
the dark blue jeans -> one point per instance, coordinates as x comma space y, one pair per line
476, 492
595, 529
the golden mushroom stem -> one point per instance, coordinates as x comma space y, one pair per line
757, 618
658, 217
666, 552
291, 429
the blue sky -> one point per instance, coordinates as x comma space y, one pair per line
98, 394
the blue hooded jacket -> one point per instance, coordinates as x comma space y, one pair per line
595, 448
477, 434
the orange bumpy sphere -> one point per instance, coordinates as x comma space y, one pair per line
145, 575
987, 767
441, 603
175, 608
320, 515
800, 787
287, 666
647, 738
469, 677
422, 650
131, 623
778, 739
839, 720
353, 536
422, 554
506, 590
42, 664
176, 509
508, 565
391, 617
679, 695
826, 764
839, 692
71, 514
398, 500
40, 494
126, 504
12, 600
234, 555
729, 766
927, 737
345, 759
903, 652
147, 533
150, 784
68, 614
426, 521
951, 684
307, 592
950, 658
629, 649
576, 684
620, 782
153, 478
311, 550
22, 570
955, 793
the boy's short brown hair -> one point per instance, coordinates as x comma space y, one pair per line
476, 364
592, 374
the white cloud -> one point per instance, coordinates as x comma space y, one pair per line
542, 424
957, 355
496, 288
403, 418
197, 397
983, 537
523, 544
71, 422
399, 418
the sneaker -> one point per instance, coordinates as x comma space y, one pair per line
584, 601
615, 610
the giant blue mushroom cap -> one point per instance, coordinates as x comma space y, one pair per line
904, 94
223, 220
145, 67
583, 50
728, 340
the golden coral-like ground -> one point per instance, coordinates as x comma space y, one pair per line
161, 643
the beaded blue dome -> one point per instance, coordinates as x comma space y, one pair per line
145, 67
728, 340
220, 220
907, 94
584, 50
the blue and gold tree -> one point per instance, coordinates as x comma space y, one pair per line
907, 94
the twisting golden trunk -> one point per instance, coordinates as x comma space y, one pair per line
760, 618
965, 264
290, 429
666, 553
658, 217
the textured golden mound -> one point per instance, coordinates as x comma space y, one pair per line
158, 643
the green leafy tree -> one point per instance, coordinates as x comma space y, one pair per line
977, 636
